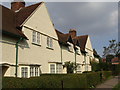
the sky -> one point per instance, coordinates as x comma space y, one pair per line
99, 20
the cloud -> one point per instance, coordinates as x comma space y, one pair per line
97, 19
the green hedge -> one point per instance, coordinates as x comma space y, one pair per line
93, 79
106, 74
85, 80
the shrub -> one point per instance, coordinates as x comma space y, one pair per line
93, 79
85, 80
106, 74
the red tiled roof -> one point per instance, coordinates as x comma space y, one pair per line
80, 39
116, 59
24, 13
63, 38
11, 20
8, 23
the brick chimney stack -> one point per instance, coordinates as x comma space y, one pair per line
72, 32
17, 4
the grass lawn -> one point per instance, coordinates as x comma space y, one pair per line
117, 87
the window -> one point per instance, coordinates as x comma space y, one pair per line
36, 71
36, 37
52, 68
49, 42
31, 71
58, 68
70, 47
24, 72
77, 50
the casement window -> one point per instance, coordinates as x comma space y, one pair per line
31, 71
55, 68
77, 50
70, 47
52, 68
49, 42
58, 68
36, 37
34, 71
24, 72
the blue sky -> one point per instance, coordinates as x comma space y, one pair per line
97, 19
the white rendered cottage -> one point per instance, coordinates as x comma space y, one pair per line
31, 45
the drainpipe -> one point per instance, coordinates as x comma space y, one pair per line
61, 53
17, 55
75, 63
85, 61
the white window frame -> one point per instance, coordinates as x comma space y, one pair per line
57, 68
24, 72
36, 37
31, 71
35, 71
49, 42
77, 50
52, 69
70, 47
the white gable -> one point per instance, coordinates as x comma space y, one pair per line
88, 44
40, 21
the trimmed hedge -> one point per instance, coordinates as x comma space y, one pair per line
106, 74
85, 80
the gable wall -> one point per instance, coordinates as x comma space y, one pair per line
35, 54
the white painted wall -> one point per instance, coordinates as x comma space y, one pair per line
34, 54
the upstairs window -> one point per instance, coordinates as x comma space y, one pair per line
49, 42
70, 47
36, 37
77, 50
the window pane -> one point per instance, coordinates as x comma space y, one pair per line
36, 71
24, 72
38, 38
58, 68
48, 41
31, 71
52, 68
51, 42
34, 36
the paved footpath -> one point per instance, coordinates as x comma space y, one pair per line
109, 83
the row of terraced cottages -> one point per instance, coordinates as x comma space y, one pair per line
31, 45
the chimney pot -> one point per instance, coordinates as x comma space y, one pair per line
17, 4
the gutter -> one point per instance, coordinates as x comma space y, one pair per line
16, 72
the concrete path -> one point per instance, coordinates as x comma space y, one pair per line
109, 84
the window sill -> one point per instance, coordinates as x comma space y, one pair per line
36, 44
70, 51
78, 53
49, 48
